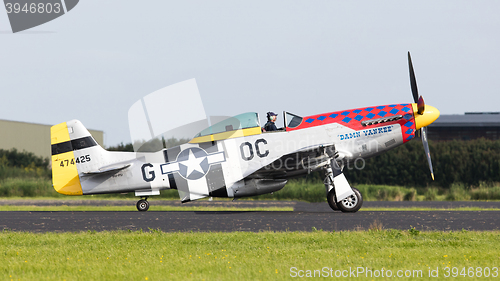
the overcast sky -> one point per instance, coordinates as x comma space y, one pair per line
305, 57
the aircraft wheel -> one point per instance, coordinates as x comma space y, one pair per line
352, 203
330, 197
142, 205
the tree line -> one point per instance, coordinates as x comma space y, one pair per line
22, 164
21, 159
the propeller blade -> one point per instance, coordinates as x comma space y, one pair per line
413, 80
421, 108
426, 148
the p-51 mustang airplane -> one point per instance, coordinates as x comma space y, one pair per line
235, 158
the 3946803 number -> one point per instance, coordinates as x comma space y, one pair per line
33, 8
470, 272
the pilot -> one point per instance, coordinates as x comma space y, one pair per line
271, 118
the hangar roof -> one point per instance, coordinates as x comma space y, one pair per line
469, 119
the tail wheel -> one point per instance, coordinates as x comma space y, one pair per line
330, 197
142, 205
352, 203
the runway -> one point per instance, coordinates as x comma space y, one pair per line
305, 217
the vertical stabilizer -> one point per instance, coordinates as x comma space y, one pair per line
65, 177
70, 141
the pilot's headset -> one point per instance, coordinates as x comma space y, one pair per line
269, 116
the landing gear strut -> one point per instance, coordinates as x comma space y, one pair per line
143, 204
330, 189
350, 204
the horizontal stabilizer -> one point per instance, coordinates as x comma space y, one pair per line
107, 170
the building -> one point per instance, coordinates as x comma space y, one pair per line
471, 125
31, 137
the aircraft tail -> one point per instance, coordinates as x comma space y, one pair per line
74, 151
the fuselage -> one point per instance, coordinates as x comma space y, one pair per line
233, 165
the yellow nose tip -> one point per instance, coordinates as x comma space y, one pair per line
423, 120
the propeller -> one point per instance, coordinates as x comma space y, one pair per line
423, 136
413, 80
420, 110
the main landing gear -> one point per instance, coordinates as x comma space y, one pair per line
351, 203
143, 204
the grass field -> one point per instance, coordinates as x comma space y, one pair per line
232, 256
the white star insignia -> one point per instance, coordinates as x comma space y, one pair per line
193, 164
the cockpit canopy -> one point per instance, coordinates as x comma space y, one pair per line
246, 124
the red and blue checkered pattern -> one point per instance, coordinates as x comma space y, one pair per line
353, 118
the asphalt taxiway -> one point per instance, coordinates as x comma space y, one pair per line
305, 217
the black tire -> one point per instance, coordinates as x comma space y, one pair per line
352, 203
142, 205
330, 197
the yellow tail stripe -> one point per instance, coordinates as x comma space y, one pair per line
65, 177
